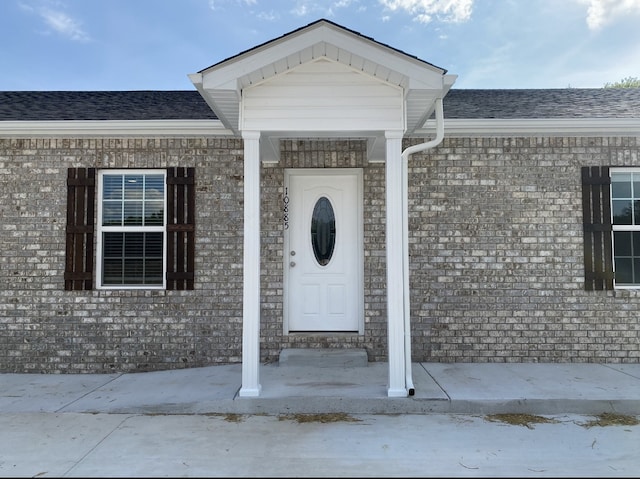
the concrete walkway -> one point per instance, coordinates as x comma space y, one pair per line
191, 423
465, 388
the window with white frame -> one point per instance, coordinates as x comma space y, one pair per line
625, 221
131, 229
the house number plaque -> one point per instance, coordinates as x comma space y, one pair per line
285, 208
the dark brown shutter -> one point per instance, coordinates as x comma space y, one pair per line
181, 218
78, 274
596, 208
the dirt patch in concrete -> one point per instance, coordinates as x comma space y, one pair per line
324, 418
233, 418
612, 419
526, 420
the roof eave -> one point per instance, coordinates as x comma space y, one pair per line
111, 128
554, 127
548, 127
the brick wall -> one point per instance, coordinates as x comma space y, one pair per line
495, 245
497, 254
46, 329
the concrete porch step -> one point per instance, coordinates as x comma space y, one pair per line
323, 358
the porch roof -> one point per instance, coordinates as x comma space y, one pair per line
222, 84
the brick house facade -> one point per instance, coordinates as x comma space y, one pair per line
496, 217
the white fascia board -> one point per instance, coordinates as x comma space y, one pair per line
225, 75
537, 127
448, 81
103, 128
196, 79
419, 73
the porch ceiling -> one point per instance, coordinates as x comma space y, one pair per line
222, 84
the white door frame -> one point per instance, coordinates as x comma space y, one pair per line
360, 236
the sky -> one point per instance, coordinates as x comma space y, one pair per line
154, 44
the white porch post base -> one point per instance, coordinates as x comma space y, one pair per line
251, 286
395, 272
397, 393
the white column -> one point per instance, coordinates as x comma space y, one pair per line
395, 270
251, 287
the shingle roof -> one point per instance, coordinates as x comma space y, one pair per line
547, 103
103, 105
189, 105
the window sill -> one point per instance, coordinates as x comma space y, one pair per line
626, 293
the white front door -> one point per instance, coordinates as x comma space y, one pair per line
323, 250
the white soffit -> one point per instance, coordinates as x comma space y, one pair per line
221, 84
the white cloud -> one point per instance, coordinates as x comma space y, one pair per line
269, 16
602, 12
59, 22
324, 7
301, 9
425, 10
64, 24
214, 4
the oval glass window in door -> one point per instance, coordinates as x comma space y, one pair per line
323, 231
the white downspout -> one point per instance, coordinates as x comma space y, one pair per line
405, 237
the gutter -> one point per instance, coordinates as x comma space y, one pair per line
112, 128
536, 127
405, 237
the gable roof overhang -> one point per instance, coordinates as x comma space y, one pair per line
222, 84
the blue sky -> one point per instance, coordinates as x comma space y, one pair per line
155, 44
